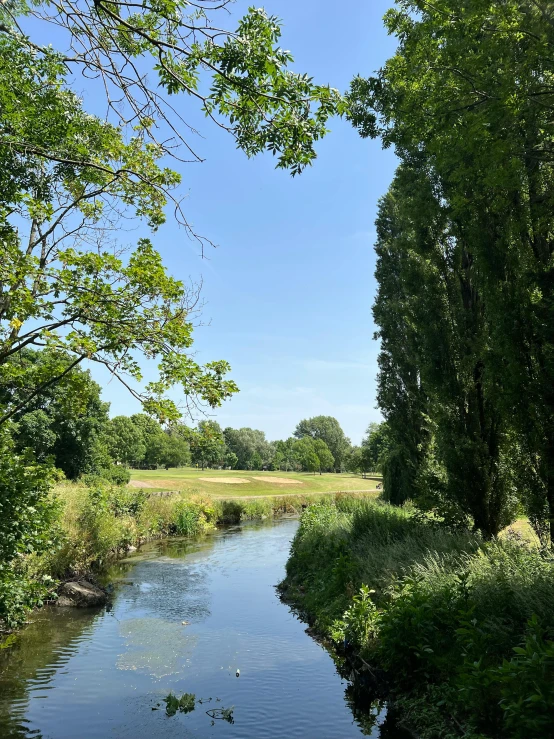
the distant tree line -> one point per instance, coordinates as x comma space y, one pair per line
69, 423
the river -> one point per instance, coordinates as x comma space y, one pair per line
186, 615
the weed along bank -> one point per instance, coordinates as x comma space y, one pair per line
196, 640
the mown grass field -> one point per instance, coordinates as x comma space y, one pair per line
240, 483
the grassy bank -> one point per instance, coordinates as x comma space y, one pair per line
97, 523
459, 629
243, 483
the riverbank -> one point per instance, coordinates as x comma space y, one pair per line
187, 613
458, 631
93, 525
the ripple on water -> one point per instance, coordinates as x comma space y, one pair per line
77, 675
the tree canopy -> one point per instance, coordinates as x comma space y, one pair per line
464, 246
327, 429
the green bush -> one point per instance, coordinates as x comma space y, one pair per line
117, 474
189, 518
258, 508
231, 511
27, 515
463, 628
114, 474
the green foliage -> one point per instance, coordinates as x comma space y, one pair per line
125, 442
189, 519
306, 455
360, 622
462, 628
117, 475
84, 299
185, 704
234, 511
252, 93
527, 686
66, 421
284, 454
231, 460
107, 522
250, 447
207, 444
375, 447
176, 452
325, 458
354, 461
465, 267
26, 516
327, 429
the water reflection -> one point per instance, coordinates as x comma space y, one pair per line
186, 615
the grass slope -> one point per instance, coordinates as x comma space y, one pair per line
461, 628
297, 482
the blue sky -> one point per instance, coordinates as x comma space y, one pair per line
289, 289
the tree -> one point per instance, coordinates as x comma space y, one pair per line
328, 429
306, 455
284, 454
374, 447
207, 444
436, 388
326, 459
252, 94
26, 516
66, 421
68, 176
250, 446
65, 287
156, 445
176, 452
468, 91
353, 461
125, 441
255, 462
231, 460
34, 431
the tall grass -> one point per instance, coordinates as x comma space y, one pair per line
98, 522
462, 628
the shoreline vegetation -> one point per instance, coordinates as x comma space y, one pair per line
94, 524
454, 630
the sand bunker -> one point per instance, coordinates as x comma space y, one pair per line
226, 480
280, 480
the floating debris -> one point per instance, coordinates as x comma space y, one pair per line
185, 704
222, 714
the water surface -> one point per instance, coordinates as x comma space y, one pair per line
80, 674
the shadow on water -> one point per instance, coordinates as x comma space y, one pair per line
186, 616
32, 657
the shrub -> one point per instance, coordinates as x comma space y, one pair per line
462, 627
114, 474
188, 518
231, 511
27, 515
259, 508
117, 474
